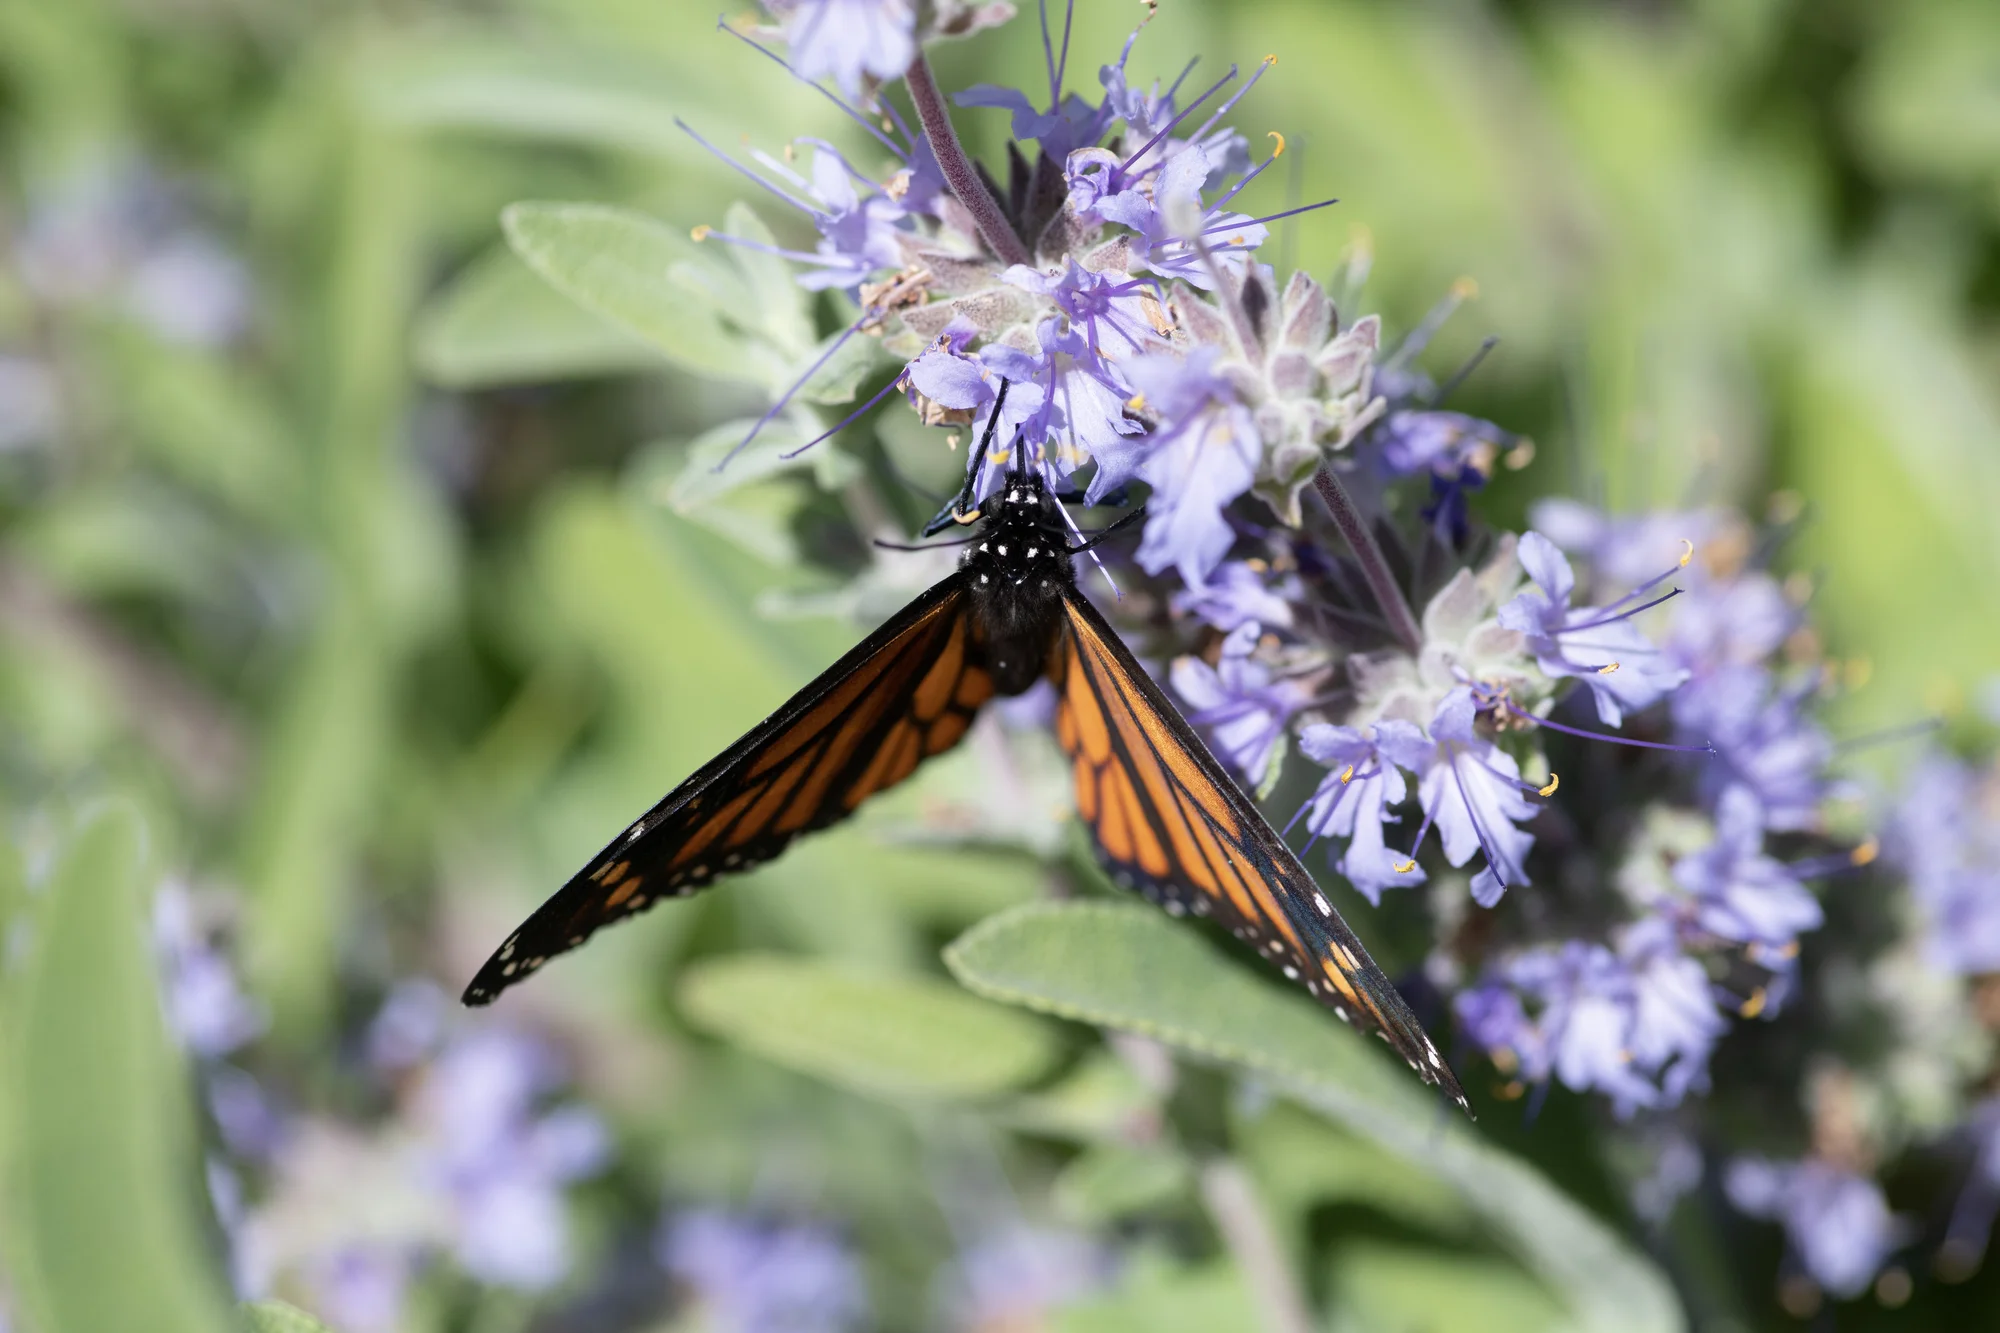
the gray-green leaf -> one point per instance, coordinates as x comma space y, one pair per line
278, 1317
500, 323
901, 1037
1129, 968
620, 264
102, 1179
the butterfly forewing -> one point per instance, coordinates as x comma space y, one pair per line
907, 692
1170, 823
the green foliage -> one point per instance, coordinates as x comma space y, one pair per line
103, 1227
278, 1317
1129, 968
905, 1038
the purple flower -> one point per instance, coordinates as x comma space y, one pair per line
1353, 799
1599, 646
1443, 443
1675, 1023
500, 1162
1237, 592
360, 1288
1241, 703
1765, 741
1588, 999
1636, 1024
409, 1026
1019, 1277
206, 1009
1472, 790
1732, 622
1202, 455
1109, 311
1944, 839
1837, 1221
858, 236
1738, 893
755, 1277
847, 39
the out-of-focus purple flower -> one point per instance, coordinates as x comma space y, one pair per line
747, 1276
1239, 591
361, 1287
409, 1026
1202, 455
1675, 1023
1736, 891
1438, 442
847, 40
1587, 1002
1735, 622
1677, 1169
1636, 1024
1472, 790
1837, 1221
1945, 835
1766, 742
1599, 646
1493, 1016
1362, 784
29, 404
206, 1009
500, 1161
1017, 1279
1243, 705
250, 1121
1625, 550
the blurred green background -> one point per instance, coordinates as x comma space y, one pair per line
343, 577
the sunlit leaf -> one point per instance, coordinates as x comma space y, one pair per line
103, 1182
1378, 1285
278, 1317
617, 263
1130, 968
883, 1034
499, 323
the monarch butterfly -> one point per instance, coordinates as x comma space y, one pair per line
1167, 821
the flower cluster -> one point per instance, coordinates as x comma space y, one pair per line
468, 1162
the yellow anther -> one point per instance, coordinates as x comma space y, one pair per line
1688, 554
1270, 61
1466, 289
1279, 151
1137, 402
1555, 780
972, 517
1348, 776
1866, 852
702, 233
1753, 1006
999, 458
951, 441
1405, 867
1511, 1090
1607, 668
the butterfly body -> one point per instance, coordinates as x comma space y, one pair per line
1017, 574
1168, 822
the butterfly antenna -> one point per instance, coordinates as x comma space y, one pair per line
961, 510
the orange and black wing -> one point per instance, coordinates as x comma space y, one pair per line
1171, 824
908, 691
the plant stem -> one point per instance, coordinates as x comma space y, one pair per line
1246, 1232
1374, 566
958, 172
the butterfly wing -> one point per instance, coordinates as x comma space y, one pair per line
1170, 823
908, 691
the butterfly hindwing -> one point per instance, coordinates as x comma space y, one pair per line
1170, 823
907, 692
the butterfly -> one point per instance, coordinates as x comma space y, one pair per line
1166, 819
